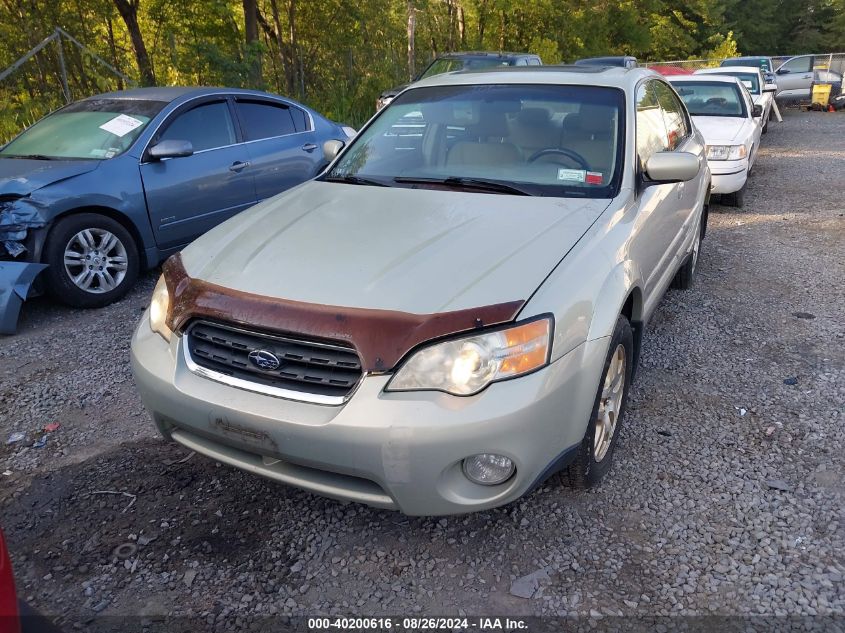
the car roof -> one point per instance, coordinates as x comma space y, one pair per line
465, 54
609, 59
609, 76
743, 58
722, 79
168, 94
729, 69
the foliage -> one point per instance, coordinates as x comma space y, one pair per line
337, 55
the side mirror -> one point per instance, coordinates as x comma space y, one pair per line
668, 167
782, 71
757, 111
171, 149
331, 149
770, 88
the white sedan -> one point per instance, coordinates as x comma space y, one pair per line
722, 110
762, 94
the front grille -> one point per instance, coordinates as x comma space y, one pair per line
310, 367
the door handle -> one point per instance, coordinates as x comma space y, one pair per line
238, 165
309, 147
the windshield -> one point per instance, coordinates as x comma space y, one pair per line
538, 139
704, 98
93, 129
762, 62
448, 65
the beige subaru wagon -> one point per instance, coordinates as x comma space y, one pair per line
452, 312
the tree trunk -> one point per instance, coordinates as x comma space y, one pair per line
462, 26
294, 53
482, 22
128, 10
251, 31
113, 51
412, 27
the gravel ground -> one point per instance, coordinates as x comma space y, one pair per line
726, 496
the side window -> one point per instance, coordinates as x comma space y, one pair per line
673, 115
261, 119
802, 64
300, 119
207, 126
651, 130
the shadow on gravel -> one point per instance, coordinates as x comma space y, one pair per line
77, 517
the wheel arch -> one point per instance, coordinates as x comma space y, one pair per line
108, 212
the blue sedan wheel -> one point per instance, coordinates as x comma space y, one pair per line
93, 260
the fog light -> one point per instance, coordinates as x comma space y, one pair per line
488, 469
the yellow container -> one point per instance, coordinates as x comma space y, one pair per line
821, 94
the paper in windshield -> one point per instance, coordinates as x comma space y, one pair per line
121, 125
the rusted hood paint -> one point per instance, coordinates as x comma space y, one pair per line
381, 337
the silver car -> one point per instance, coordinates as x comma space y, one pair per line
452, 312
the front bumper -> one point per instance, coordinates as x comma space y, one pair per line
399, 451
728, 175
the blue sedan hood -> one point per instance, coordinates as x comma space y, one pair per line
21, 176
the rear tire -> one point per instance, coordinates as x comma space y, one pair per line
93, 260
685, 277
594, 457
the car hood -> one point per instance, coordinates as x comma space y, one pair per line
21, 176
719, 128
411, 250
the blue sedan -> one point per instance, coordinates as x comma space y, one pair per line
113, 184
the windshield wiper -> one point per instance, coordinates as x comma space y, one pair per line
29, 156
476, 183
356, 180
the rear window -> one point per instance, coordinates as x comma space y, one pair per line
261, 119
704, 98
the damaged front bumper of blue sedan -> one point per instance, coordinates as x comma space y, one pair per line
16, 279
17, 219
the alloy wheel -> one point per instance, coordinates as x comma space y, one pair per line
96, 260
610, 404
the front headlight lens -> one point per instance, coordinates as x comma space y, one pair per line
158, 309
726, 152
467, 365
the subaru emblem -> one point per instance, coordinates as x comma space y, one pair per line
263, 359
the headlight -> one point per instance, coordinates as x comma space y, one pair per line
726, 152
467, 365
158, 309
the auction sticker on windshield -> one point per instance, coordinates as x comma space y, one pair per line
121, 125
573, 175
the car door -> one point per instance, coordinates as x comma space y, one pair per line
281, 142
680, 213
657, 218
189, 195
795, 77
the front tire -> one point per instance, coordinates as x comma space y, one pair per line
93, 260
595, 453
735, 199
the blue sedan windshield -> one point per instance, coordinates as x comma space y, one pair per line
95, 129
